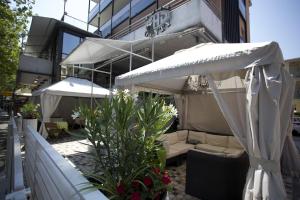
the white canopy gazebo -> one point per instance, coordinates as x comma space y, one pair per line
253, 94
72, 87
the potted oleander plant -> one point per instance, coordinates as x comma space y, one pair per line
30, 114
123, 130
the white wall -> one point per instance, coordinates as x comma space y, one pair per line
35, 65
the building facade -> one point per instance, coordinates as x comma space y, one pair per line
225, 20
293, 66
181, 23
49, 42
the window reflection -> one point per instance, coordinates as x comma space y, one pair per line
70, 42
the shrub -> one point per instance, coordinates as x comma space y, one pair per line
124, 131
30, 111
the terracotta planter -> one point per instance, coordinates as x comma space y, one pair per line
30, 122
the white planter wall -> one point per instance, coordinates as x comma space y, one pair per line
30, 122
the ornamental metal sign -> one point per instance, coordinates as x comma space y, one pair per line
158, 22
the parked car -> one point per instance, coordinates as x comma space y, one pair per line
296, 126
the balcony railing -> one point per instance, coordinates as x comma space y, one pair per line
138, 6
98, 8
106, 29
120, 16
137, 9
94, 12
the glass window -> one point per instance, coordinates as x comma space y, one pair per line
242, 7
119, 4
294, 69
297, 91
70, 42
243, 37
106, 15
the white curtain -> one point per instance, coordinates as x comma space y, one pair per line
261, 126
179, 106
49, 104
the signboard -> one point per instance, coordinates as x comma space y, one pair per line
158, 22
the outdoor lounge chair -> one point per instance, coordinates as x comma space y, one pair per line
53, 129
213, 177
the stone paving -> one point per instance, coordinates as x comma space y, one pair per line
78, 152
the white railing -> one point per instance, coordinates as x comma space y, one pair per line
50, 176
14, 167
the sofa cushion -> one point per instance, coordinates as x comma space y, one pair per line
217, 140
230, 152
234, 143
173, 152
183, 147
194, 142
195, 135
179, 149
172, 138
210, 148
182, 135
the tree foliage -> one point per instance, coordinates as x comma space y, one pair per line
14, 16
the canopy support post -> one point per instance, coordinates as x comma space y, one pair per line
110, 75
130, 58
152, 51
92, 88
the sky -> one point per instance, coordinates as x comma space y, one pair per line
55, 9
277, 20
270, 20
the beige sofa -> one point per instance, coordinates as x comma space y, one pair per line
175, 143
180, 142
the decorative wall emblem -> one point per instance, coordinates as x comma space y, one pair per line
158, 22
197, 83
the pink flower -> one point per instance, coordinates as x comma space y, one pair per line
156, 170
166, 179
135, 196
120, 189
147, 181
135, 184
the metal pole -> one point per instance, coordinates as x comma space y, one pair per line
110, 76
152, 51
130, 58
130, 52
92, 88
63, 18
87, 25
98, 22
84, 68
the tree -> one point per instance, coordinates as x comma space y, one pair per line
14, 17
